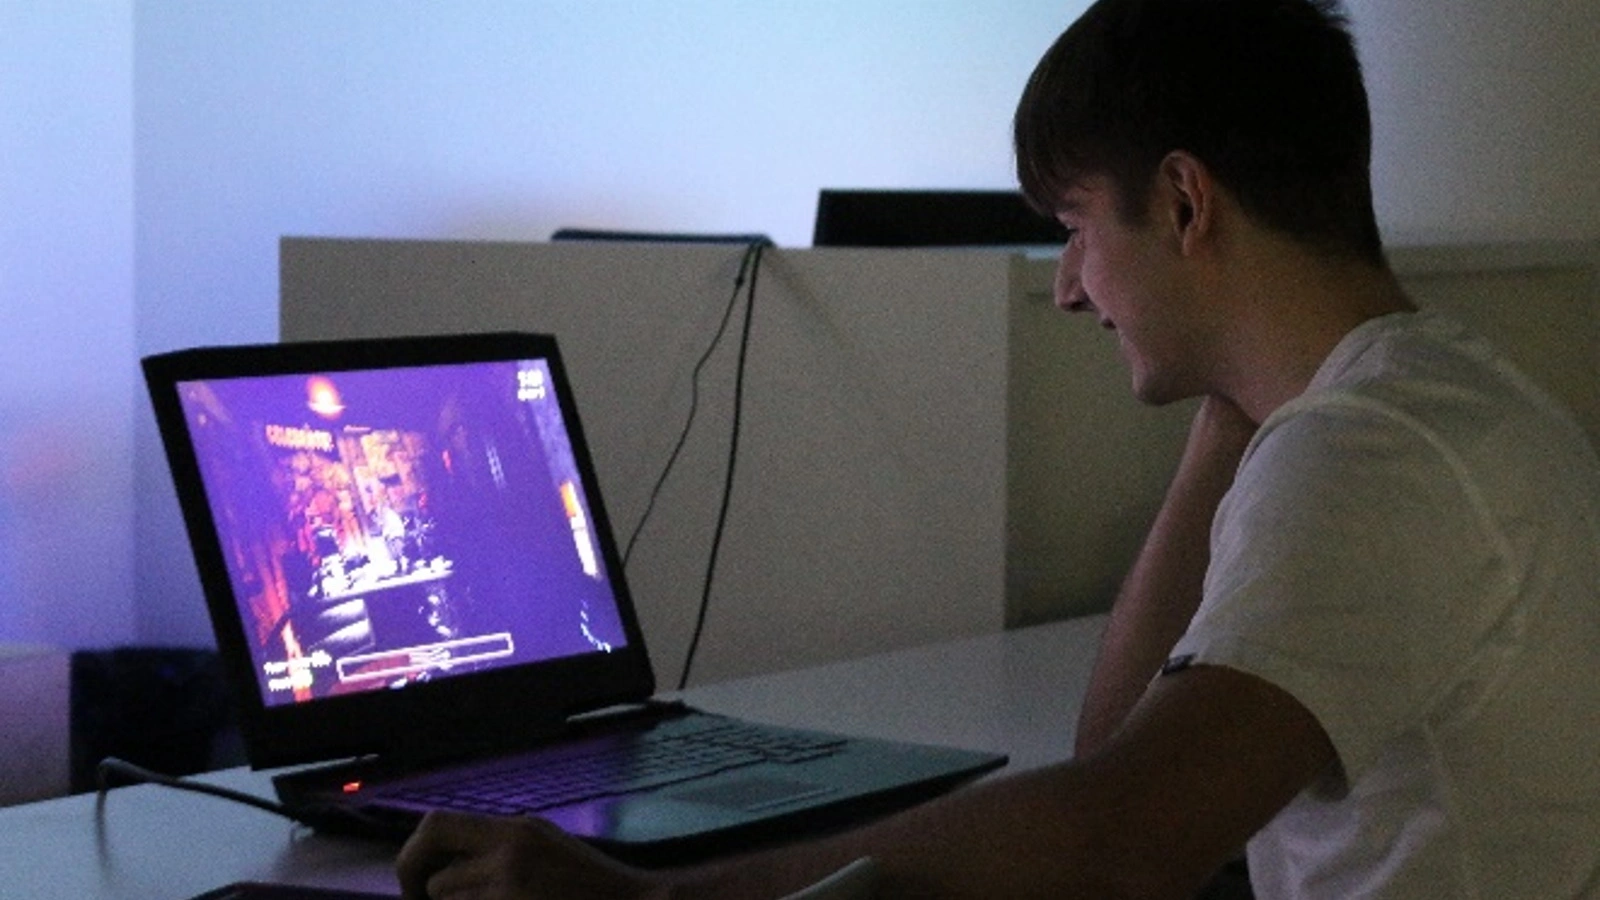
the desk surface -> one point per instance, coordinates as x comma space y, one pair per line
1016, 692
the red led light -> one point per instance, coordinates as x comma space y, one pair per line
350, 787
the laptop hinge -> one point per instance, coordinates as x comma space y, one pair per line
647, 711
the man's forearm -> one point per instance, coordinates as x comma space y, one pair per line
966, 845
1209, 757
1163, 588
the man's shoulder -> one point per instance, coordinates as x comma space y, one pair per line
1423, 377
1414, 360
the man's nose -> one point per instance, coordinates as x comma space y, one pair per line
1070, 295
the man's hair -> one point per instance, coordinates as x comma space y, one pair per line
1267, 93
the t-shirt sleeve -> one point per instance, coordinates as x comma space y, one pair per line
1340, 561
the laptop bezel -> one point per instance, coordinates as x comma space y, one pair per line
480, 712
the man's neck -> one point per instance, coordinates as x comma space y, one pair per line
1293, 309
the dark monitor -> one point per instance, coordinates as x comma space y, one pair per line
918, 218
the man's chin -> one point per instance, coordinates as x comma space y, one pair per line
1156, 392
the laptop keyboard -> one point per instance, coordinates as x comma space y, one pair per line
639, 762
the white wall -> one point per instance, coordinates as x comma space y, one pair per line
508, 118
66, 321
1483, 115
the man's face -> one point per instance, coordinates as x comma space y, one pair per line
1126, 276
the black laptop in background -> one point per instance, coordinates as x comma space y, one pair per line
414, 585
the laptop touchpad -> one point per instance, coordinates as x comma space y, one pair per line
751, 794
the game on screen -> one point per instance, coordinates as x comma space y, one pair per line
384, 527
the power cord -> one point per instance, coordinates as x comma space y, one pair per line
753, 255
745, 282
330, 819
746, 265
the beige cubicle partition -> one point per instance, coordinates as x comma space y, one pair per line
929, 448
868, 507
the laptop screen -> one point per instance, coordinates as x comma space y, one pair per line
380, 517
395, 525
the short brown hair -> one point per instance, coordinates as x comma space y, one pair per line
1267, 93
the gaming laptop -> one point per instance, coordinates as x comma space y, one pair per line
412, 579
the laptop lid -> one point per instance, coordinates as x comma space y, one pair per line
401, 543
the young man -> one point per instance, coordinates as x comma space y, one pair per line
1362, 636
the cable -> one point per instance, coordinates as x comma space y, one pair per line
747, 263
331, 819
134, 774
753, 255
749, 266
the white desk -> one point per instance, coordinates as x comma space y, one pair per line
1016, 692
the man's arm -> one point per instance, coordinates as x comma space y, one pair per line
1207, 757
1162, 589
1172, 776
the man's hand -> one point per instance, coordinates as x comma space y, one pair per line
459, 857
1221, 431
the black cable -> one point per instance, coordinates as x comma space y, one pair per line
135, 774
332, 819
746, 264
753, 255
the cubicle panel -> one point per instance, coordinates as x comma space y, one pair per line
869, 502
1539, 303
1088, 463
876, 514
1088, 466
36, 743
931, 448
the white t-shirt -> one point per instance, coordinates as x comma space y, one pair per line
1412, 550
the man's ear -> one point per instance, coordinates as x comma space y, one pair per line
1189, 198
